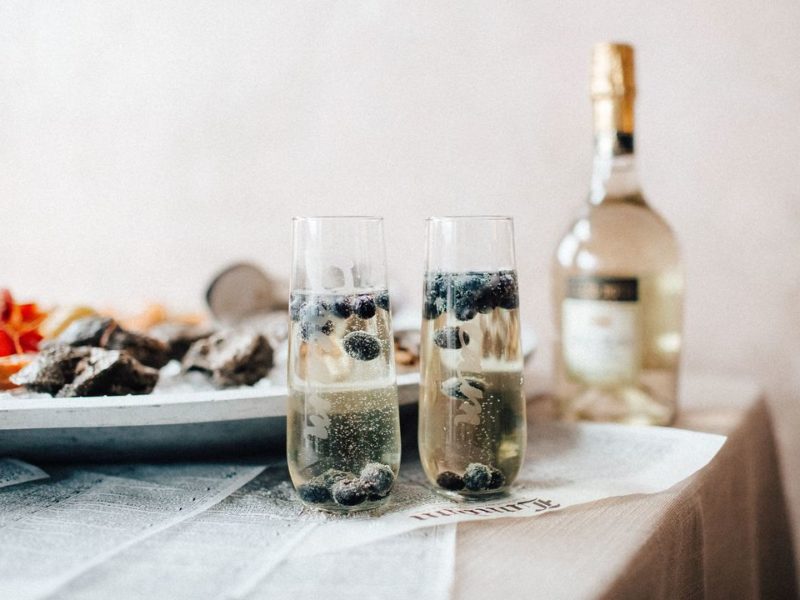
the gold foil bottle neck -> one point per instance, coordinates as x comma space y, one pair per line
612, 71
613, 87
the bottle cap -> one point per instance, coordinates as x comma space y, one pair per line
613, 91
612, 71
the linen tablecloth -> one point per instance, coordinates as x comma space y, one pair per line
724, 533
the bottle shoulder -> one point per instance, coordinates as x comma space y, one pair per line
617, 236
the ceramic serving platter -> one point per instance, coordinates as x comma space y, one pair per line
169, 425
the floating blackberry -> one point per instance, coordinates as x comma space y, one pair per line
382, 300
451, 338
364, 306
361, 345
470, 283
484, 300
327, 327
506, 293
296, 307
447, 480
437, 285
467, 294
315, 309
308, 329
465, 308
432, 309
342, 307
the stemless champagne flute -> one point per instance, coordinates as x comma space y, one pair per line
472, 430
343, 438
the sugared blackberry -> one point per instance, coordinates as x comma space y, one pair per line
477, 477
464, 308
342, 307
470, 283
506, 292
447, 480
296, 307
432, 309
510, 301
484, 300
364, 306
327, 327
348, 492
497, 479
382, 300
437, 285
450, 338
315, 309
361, 345
314, 491
377, 479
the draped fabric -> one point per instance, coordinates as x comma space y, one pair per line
724, 533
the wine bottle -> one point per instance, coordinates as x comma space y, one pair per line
617, 276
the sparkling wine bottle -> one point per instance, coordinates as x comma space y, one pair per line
617, 277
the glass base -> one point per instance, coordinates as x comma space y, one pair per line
626, 404
467, 496
338, 509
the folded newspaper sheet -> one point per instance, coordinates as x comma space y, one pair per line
567, 465
13, 472
232, 531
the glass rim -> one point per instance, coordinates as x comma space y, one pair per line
339, 218
471, 218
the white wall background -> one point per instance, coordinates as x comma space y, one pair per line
145, 144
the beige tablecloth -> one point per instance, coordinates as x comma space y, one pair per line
722, 534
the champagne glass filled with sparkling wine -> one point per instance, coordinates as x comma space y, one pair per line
472, 430
343, 442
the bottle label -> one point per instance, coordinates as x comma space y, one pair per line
602, 329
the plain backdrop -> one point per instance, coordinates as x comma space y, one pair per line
144, 145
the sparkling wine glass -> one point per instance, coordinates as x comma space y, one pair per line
343, 429
472, 429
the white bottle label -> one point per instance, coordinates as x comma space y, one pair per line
602, 330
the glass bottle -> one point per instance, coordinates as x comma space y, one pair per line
617, 277
343, 437
472, 430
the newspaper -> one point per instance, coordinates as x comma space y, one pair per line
238, 549
419, 564
14, 471
567, 465
52, 533
238, 531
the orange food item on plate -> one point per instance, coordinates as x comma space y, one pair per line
19, 325
10, 365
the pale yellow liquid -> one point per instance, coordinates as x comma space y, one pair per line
625, 238
343, 430
496, 436
342, 412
